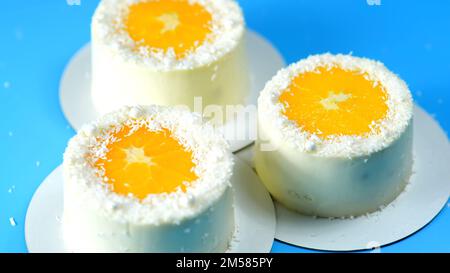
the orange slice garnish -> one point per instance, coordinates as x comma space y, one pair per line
331, 101
144, 162
165, 24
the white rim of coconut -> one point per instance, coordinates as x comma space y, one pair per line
385, 132
214, 164
227, 29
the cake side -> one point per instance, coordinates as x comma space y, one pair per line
335, 187
116, 83
87, 230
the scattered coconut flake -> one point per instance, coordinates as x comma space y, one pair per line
11, 189
374, 246
73, 2
12, 221
136, 112
214, 77
310, 146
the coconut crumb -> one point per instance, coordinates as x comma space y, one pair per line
11, 189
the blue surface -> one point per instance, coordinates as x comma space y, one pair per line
37, 38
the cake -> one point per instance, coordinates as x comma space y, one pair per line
168, 52
148, 179
335, 136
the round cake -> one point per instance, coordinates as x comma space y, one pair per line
148, 179
168, 52
335, 136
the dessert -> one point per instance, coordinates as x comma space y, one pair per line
335, 136
148, 179
168, 52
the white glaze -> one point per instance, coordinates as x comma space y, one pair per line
341, 176
98, 220
216, 71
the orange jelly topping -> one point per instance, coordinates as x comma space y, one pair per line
165, 24
145, 162
332, 101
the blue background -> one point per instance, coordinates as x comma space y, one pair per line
37, 39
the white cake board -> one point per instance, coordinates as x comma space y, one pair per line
425, 196
254, 214
75, 86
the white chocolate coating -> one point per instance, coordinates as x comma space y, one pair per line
343, 176
88, 230
216, 71
334, 187
200, 219
116, 83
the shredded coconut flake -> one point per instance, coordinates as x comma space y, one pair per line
398, 118
226, 32
214, 164
12, 221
